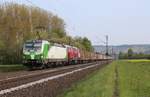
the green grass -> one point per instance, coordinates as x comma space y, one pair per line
98, 84
11, 68
133, 81
140, 60
134, 78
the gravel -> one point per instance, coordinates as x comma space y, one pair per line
53, 87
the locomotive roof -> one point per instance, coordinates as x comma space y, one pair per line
45, 41
56, 44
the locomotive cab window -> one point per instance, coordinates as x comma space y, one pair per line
32, 45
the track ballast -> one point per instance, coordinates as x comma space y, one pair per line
54, 81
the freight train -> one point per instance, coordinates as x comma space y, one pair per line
43, 54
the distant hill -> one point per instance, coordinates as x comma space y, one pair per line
144, 48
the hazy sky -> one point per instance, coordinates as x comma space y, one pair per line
125, 21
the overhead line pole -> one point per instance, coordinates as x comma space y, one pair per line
107, 45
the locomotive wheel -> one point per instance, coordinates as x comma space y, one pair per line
30, 68
42, 66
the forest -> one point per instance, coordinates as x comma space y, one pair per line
19, 23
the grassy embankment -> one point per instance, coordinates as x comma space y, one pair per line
11, 68
133, 81
98, 84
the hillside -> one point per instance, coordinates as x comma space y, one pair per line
144, 48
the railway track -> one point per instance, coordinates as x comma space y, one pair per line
13, 84
15, 81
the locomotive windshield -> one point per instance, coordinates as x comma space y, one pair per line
33, 45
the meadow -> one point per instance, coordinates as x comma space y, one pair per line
133, 80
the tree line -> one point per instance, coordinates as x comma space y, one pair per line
132, 55
19, 23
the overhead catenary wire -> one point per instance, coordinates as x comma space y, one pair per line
100, 40
104, 42
29, 1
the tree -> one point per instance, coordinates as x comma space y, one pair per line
87, 44
57, 27
148, 56
121, 55
130, 53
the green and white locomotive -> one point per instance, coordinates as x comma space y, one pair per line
39, 53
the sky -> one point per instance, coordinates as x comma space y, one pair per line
124, 21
